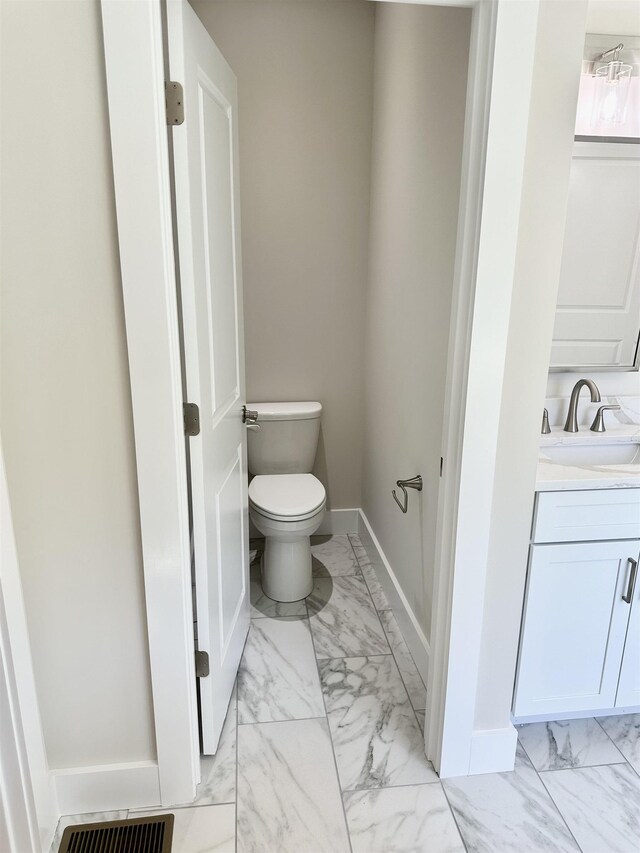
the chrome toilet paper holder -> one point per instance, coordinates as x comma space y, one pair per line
411, 483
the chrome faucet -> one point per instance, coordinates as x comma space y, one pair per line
571, 424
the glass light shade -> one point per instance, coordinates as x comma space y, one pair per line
611, 91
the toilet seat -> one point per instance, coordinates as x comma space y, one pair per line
286, 497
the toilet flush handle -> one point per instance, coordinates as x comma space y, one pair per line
250, 417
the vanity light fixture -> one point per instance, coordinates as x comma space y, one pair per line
611, 88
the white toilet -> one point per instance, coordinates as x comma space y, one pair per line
286, 502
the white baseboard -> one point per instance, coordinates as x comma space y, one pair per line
406, 618
107, 787
335, 521
493, 750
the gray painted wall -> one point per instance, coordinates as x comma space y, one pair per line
305, 87
421, 58
65, 399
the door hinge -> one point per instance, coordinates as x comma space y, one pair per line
202, 664
191, 415
174, 100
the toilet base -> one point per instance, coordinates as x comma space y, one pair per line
286, 568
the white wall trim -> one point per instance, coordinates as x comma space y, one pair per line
133, 45
108, 787
492, 750
409, 627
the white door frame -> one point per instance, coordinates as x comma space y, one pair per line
133, 44
498, 102
503, 38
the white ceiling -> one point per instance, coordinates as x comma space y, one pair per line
614, 17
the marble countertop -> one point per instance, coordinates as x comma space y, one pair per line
555, 476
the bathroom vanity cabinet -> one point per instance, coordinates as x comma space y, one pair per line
580, 637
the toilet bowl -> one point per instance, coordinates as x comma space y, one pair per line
286, 502
287, 509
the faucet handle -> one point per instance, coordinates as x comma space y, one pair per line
546, 429
598, 421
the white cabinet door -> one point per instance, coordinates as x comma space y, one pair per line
573, 629
208, 225
629, 685
599, 292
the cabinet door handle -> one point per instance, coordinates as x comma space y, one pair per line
631, 586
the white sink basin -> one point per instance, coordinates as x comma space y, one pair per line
593, 453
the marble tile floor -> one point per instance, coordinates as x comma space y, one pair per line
322, 747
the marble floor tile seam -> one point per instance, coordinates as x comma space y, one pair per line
414, 769
582, 767
404, 675
277, 679
390, 787
578, 773
637, 772
623, 758
335, 766
415, 714
579, 846
375, 611
542, 773
355, 553
375, 596
345, 657
333, 748
292, 720
555, 805
194, 805
365, 557
355, 574
453, 814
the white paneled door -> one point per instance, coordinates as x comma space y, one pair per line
208, 225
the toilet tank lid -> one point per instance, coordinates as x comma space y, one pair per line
286, 411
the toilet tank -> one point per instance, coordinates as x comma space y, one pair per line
287, 440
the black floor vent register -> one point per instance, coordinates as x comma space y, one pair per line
142, 835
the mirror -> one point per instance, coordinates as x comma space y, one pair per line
597, 323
